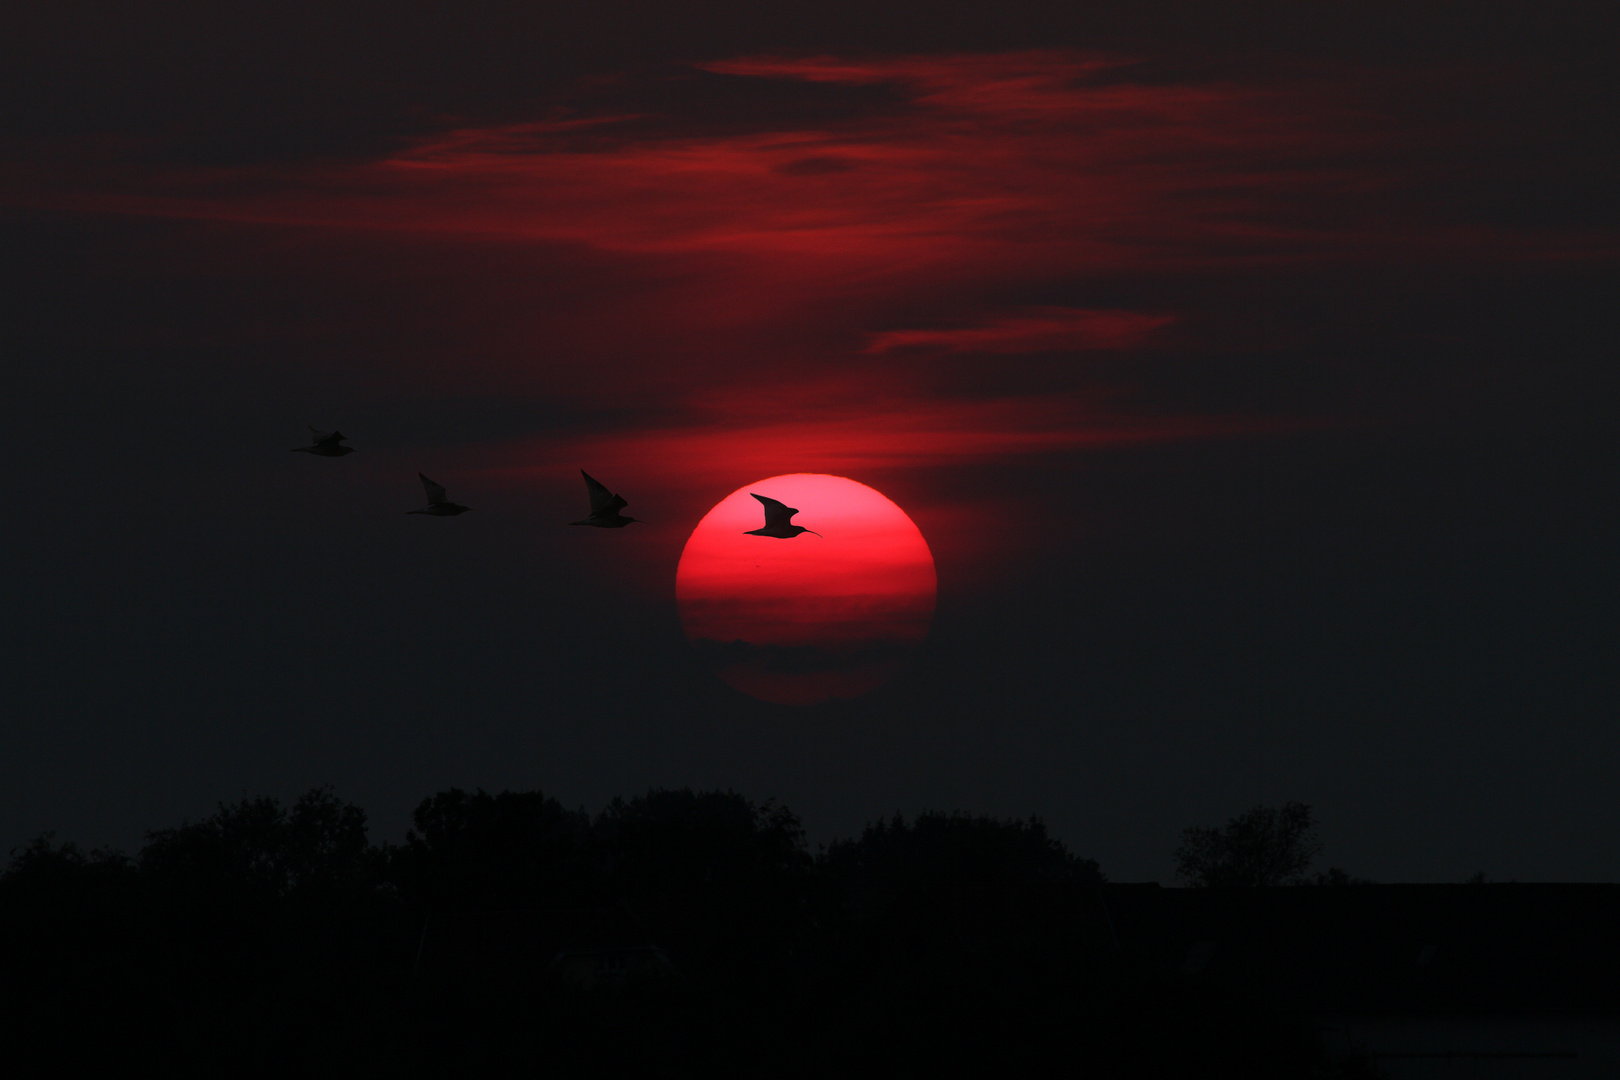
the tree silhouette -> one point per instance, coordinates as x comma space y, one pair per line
950, 944
1335, 875
263, 925
1266, 845
910, 897
517, 849
938, 849
264, 849
719, 877
46, 876
682, 841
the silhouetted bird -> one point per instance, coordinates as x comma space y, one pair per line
439, 504
777, 518
605, 506
327, 444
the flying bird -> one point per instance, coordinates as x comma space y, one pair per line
439, 504
777, 521
605, 506
326, 444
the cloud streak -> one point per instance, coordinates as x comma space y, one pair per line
1048, 329
775, 295
1028, 153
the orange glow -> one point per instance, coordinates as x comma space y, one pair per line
803, 620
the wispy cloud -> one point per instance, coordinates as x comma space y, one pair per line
1026, 159
776, 286
1043, 329
718, 448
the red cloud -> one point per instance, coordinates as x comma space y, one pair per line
737, 278
1011, 166
1047, 329
738, 440
1023, 155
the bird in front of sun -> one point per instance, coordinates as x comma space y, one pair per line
605, 506
325, 444
439, 504
778, 521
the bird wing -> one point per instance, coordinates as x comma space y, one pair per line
435, 492
776, 513
325, 438
603, 501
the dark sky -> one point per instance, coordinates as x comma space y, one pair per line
1249, 368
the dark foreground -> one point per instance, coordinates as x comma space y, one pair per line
686, 933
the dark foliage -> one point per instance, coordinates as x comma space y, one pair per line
710, 843
715, 871
262, 926
1267, 845
677, 931
44, 874
261, 850
958, 850
481, 851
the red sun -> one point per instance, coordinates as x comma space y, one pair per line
806, 619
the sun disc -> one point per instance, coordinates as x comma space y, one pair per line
801, 620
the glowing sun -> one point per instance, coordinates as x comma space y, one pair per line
801, 620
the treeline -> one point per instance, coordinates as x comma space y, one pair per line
671, 932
